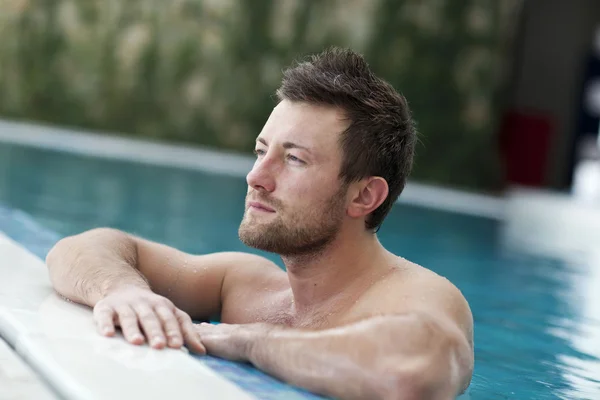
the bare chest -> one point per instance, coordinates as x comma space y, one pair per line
276, 309
277, 306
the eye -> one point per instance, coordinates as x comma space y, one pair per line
259, 152
294, 159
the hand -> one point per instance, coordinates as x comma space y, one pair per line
162, 323
231, 341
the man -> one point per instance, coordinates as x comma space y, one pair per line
347, 318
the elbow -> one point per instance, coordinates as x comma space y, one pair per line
57, 253
65, 246
66, 253
415, 383
58, 262
406, 383
439, 368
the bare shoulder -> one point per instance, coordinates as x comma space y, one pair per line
251, 268
253, 290
199, 284
413, 288
252, 274
440, 298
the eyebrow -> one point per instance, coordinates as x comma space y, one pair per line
286, 145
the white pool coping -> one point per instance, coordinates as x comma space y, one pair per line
111, 146
58, 340
17, 380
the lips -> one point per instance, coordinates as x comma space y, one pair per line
260, 206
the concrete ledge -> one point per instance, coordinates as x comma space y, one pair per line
17, 380
58, 340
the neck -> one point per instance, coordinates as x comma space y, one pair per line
339, 272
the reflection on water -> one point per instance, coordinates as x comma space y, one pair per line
568, 229
536, 318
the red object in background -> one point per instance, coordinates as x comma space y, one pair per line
525, 145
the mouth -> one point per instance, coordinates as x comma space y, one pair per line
255, 205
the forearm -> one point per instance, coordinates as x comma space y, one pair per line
345, 363
379, 358
85, 267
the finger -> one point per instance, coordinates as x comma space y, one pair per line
129, 324
192, 338
170, 325
151, 325
103, 316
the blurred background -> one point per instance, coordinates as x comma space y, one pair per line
506, 95
504, 92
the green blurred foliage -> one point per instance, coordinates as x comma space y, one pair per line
204, 71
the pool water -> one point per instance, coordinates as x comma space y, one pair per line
535, 337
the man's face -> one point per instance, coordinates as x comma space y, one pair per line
296, 203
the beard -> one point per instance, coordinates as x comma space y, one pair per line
303, 233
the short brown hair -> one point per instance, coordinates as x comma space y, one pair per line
381, 137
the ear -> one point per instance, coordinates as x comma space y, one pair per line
370, 193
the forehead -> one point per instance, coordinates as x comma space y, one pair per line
309, 125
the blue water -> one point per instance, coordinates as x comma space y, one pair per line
532, 339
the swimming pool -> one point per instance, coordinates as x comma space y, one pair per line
530, 330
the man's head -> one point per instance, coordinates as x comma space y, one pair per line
337, 148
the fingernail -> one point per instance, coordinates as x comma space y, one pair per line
137, 337
157, 341
175, 342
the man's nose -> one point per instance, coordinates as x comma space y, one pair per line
261, 177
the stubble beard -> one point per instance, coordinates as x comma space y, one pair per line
300, 234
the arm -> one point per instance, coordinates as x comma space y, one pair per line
85, 268
411, 339
134, 280
393, 357
410, 356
